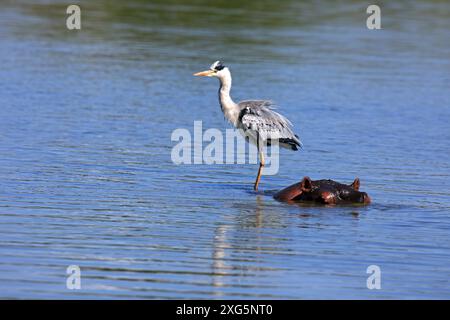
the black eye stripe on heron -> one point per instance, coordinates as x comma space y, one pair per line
219, 66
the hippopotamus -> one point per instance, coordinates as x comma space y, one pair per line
323, 191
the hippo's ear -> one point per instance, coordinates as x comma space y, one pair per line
355, 185
306, 184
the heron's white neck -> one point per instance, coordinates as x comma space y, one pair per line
229, 108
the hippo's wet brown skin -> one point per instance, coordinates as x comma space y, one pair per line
323, 191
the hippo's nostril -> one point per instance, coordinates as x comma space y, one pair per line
366, 199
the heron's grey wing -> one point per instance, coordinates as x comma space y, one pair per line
257, 104
257, 117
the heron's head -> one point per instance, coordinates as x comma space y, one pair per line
217, 70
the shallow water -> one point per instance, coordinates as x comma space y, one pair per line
86, 176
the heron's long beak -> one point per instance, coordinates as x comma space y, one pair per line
207, 73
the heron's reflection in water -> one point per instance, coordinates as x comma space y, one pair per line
219, 267
241, 246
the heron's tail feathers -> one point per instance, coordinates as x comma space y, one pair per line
291, 143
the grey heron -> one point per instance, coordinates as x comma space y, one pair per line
257, 118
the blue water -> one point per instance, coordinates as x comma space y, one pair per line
86, 176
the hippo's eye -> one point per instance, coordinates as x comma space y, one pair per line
344, 194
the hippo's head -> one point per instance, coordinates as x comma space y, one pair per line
323, 191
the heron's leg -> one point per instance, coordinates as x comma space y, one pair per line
261, 162
261, 165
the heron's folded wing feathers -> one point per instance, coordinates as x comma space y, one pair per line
259, 117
